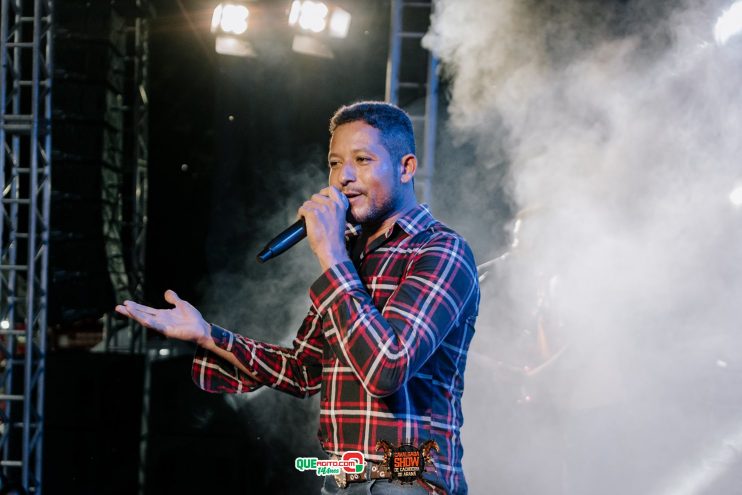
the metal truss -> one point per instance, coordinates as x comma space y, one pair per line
405, 38
25, 175
140, 114
114, 162
127, 335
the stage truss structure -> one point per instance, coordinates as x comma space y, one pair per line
406, 34
25, 172
127, 276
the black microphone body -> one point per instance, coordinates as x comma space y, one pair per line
283, 241
289, 237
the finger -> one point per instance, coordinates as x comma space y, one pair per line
307, 209
339, 197
146, 320
122, 310
172, 297
334, 194
139, 307
322, 200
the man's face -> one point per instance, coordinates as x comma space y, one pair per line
360, 166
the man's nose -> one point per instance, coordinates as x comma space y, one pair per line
347, 173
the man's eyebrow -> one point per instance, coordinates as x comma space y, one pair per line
362, 150
355, 150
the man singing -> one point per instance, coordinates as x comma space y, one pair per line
392, 315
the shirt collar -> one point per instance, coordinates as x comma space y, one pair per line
416, 219
412, 221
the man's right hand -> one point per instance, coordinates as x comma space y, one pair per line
183, 322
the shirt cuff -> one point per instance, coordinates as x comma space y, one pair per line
332, 284
212, 373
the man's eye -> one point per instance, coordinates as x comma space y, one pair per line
363, 159
333, 164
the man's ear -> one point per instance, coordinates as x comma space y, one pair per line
408, 167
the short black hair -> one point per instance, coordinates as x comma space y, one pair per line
393, 123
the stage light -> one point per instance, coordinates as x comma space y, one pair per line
230, 18
229, 24
5, 324
729, 24
310, 16
313, 17
736, 196
339, 23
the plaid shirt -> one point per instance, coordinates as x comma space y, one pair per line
385, 342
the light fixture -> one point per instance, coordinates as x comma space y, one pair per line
729, 23
229, 24
339, 23
319, 17
316, 22
230, 18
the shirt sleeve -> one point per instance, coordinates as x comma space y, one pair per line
385, 347
296, 370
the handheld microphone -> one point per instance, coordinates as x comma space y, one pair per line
293, 234
288, 238
283, 241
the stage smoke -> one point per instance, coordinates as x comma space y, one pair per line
595, 364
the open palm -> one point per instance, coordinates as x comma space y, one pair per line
183, 322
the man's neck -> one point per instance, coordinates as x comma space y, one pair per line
373, 231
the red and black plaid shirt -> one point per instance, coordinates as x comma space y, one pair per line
385, 343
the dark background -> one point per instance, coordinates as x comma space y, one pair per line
239, 168
235, 146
